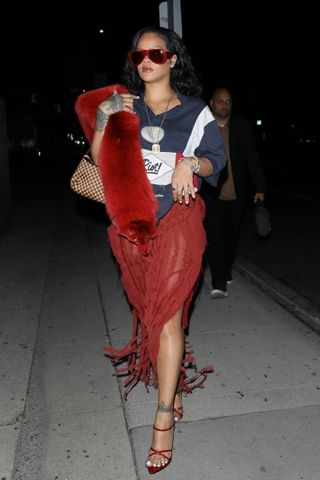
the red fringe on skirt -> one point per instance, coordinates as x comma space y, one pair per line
157, 285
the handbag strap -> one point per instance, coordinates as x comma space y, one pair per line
88, 158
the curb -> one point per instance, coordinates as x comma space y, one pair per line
297, 305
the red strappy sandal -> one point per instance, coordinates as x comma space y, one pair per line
164, 453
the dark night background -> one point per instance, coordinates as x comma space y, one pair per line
267, 57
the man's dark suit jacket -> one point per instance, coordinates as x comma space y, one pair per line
245, 159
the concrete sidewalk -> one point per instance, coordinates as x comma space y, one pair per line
62, 415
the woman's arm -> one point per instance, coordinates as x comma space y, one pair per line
116, 103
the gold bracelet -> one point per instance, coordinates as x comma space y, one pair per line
196, 162
193, 162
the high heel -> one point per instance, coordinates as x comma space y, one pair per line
164, 453
177, 414
178, 411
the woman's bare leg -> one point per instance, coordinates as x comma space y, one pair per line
169, 359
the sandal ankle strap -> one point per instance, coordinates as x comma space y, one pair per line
163, 429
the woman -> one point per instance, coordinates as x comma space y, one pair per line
180, 143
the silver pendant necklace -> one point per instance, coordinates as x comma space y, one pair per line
155, 134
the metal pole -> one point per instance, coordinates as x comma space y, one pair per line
170, 15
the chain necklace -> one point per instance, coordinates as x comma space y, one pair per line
156, 133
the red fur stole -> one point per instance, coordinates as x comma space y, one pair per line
130, 201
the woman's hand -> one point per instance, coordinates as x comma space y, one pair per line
118, 102
182, 183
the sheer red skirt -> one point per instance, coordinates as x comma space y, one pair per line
157, 285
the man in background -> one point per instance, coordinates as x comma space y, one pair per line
225, 203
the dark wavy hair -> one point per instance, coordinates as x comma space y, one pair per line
183, 78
